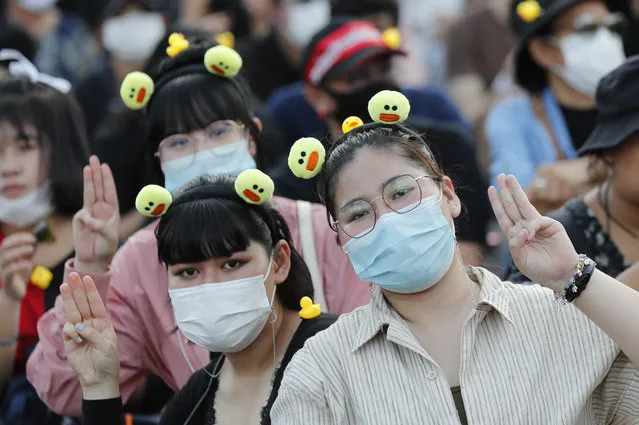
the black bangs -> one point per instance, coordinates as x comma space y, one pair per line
208, 228
191, 102
23, 103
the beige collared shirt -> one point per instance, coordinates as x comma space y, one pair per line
523, 361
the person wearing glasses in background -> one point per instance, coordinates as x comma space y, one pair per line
565, 48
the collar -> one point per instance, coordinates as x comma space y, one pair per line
379, 315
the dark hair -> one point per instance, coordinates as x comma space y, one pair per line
394, 138
61, 133
241, 26
361, 8
14, 37
193, 34
188, 98
207, 219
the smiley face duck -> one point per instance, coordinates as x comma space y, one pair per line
254, 187
223, 61
390, 107
306, 157
136, 90
153, 200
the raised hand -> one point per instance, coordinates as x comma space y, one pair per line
89, 339
539, 245
96, 225
16, 264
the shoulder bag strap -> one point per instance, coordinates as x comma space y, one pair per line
307, 240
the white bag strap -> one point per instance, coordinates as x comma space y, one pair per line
307, 240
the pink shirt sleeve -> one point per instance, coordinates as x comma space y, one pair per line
47, 367
343, 289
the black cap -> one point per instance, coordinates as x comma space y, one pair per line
617, 108
528, 74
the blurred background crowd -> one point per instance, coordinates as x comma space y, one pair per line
493, 90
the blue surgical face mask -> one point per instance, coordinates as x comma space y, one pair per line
226, 159
405, 253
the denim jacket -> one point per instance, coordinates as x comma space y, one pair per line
519, 141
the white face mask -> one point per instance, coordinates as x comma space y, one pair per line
226, 159
223, 317
134, 35
36, 5
306, 19
27, 210
588, 58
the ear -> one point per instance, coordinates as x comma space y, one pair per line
281, 261
544, 54
252, 142
450, 197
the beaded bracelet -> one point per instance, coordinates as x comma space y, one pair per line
9, 341
578, 281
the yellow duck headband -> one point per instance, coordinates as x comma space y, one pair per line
252, 186
387, 108
138, 88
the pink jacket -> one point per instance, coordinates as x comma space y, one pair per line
136, 290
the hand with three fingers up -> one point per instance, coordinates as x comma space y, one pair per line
90, 343
540, 246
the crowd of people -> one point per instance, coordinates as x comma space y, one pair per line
319, 211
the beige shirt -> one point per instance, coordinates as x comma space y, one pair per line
523, 361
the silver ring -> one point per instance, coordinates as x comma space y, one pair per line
541, 182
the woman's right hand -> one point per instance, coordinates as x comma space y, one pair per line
90, 343
16, 264
96, 225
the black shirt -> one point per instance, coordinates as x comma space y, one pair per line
266, 65
197, 397
580, 124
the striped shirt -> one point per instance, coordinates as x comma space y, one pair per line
523, 361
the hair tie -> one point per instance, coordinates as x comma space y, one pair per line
177, 44
138, 87
309, 310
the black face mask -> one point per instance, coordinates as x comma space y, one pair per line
356, 103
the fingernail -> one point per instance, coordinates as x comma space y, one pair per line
79, 326
80, 340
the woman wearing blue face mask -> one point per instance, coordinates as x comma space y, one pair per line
235, 283
444, 344
198, 123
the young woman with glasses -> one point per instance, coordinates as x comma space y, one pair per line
198, 123
441, 343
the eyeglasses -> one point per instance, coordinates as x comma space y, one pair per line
589, 24
182, 146
401, 194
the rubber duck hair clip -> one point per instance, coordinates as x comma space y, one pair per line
529, 10
137, 87
307, 155
308, 309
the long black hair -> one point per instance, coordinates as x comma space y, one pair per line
207, 219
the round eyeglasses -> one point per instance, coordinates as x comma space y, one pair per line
401, 194
181, 149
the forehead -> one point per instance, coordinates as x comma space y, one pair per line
595, 8
377, 166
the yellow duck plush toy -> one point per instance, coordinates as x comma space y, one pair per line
177, 44
306, 157
153, 200
41, 277
309, 310
254, 187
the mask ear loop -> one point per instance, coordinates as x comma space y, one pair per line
274, 318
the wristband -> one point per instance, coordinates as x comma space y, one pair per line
578, 281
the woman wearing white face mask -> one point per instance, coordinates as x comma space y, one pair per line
42, 151
565, 48
444, 344
198, 123
235, 283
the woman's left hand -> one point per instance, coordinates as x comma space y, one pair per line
540, 246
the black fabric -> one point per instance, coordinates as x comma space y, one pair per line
356, 102
453, 149
459, 404
266, 66
580, 124
588, 237
103, 412
617, 108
